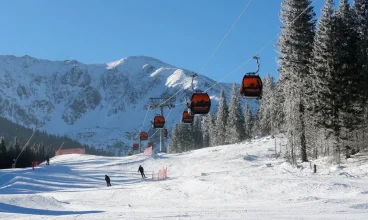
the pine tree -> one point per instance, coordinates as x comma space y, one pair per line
295, 47
3, 154
248, 121
197, 133
323, 59
235, 132
267, 111
221, 120
174, 140
361, 13
212, 130
336, 79
206, 124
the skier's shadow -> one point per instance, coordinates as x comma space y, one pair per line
6, 208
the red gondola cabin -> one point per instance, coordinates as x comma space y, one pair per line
158, 121
186, 118
143, 136
200, 104
251, 87
135, 146
165, 132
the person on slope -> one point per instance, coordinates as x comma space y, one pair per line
140, 169
48, 160
107, 178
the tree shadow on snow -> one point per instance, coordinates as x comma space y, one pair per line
250, 158
6, 208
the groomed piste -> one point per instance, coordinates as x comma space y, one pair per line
241, 181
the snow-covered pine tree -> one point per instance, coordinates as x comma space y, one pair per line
206, 124
221, 120
186, 141
295, 48
248, 121
197, 133
266, 109
361, 12
235, 132
174, 140
323, 59
212, 129
354, 82
279, 124
336, 79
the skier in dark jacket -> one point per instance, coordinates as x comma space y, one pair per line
140, 169
107, 178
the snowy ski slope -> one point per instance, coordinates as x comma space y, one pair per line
241, 181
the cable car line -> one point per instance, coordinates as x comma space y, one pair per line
261, 50
236, 69
218, 46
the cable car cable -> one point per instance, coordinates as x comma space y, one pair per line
218, 46
144, 121
261, 50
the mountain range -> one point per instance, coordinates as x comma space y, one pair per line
96, 104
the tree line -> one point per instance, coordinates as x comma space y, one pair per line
13, 138
231, 124
323, 78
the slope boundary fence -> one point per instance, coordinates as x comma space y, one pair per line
160, 175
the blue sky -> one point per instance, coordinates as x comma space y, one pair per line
181, 33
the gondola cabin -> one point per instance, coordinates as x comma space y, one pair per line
143, 136
165, 133
200, 104
159, 121
135, 146
251, 87
186, 118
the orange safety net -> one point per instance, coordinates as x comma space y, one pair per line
35, 164
161, 174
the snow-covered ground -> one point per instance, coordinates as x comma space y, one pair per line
241, 181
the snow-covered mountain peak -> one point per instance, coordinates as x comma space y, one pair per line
94, 103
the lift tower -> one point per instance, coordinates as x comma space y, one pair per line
155, 104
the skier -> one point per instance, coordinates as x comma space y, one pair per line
48, 160
107, 178
140, 169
